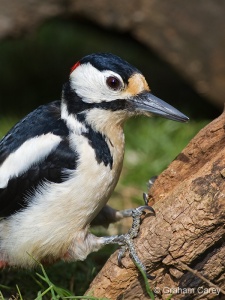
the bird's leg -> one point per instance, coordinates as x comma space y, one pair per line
126, 240
110, 215
128, 212
85, 242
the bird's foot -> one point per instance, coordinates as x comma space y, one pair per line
129, 212
110, 215
126, 240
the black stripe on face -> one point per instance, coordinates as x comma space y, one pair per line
75, 105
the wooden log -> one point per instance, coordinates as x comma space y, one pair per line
184, 245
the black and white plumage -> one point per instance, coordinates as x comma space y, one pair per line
60, 164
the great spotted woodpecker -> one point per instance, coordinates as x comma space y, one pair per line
60, 164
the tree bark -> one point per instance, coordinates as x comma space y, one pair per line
184, 244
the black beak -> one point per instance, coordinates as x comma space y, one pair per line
146, 102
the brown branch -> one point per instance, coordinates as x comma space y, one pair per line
210, 284
183, 246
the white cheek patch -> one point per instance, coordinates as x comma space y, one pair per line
90, 84
30, 152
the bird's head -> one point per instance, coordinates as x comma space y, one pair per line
104, 84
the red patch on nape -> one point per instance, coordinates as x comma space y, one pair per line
74, 67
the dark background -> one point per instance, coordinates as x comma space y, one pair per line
34, 67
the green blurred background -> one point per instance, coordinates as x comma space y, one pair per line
32, 71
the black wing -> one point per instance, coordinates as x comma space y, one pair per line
45, 119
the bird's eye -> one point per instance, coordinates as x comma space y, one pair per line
113, 83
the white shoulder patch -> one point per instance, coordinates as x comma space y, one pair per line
30, 152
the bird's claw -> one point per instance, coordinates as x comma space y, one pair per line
136, 214
121, 255
131, 212
126, 240
129, 245
141, 209
145, 198
132, 233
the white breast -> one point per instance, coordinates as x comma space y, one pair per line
57, 212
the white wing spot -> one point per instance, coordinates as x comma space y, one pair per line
30, 152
